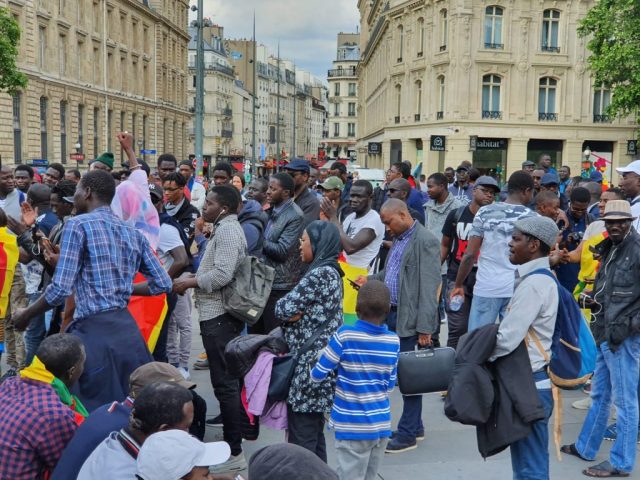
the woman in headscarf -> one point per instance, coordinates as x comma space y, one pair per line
315, 304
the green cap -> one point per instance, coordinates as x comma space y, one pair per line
107, 159
332, 183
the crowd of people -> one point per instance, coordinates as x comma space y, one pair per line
101, 274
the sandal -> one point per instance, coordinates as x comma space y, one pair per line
604, 470
572, 450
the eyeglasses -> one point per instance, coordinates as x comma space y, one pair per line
392, 190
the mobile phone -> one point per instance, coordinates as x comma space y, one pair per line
354, 284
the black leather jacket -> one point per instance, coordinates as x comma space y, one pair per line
281, 244
617, 289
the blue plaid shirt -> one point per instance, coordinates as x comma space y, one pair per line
99, 256
394, 260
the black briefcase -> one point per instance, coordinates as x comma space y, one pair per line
425, 370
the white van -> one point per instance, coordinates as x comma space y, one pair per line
374, 175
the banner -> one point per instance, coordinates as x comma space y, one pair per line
350, 293
149, 313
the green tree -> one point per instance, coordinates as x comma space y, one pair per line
11, 79
612, 26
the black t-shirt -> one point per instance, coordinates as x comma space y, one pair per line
458, 231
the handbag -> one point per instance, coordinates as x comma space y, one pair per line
284, 367
425, 370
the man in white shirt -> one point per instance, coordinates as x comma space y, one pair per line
362, 231
630, 184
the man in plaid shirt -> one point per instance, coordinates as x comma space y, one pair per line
35, 426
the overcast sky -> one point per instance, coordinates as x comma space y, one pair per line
307, 29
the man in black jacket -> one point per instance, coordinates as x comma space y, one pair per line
177, 204
304, 198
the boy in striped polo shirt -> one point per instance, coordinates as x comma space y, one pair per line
366, 356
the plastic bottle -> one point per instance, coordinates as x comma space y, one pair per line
456, 303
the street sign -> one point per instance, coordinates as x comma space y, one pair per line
438, 143
39, 162
78, 157
147, 152
632, 147
236, 55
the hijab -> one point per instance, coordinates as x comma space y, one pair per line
325, 245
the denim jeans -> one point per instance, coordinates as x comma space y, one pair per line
615, 379
411, 420
35, 332
530, 456
392, 320
486, 310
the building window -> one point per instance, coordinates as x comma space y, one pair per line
441, 98
63, 130
547, 99
43, 128
400, 42
493, 27
398, 103
352, 89
352, 129
134, 120
42, 47
418, 100
336, 109
491, 97
550, 28
109, 130
336, 89
601, 100
336, 129
352, 109
62, 52
421, 34
81, 127
96, 136
145, 130
444, 29
17, 130
122, 115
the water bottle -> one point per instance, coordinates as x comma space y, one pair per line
456, 303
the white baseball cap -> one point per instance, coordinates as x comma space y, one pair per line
633, 167
172, 454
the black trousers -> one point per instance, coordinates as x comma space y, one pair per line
269, 321
160, 352
307, 430
216, 333
198, 425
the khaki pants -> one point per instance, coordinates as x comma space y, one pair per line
13, 340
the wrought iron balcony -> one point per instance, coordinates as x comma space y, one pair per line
227, 134
416, 117
443, 48
494, 46
342, 72
601, 119
396, 119
552, 49
399, 59
492, 114
420, 54
547, 117
439, 115
227, 112
352, 114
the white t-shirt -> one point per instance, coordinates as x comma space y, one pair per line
494, 224
169, 239
635, 211
353, 225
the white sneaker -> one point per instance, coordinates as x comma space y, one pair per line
185, 373
584, 404
234, 464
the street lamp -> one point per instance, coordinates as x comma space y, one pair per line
586, 162
78, 148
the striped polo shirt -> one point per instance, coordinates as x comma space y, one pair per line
366, 357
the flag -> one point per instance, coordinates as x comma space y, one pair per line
350, 293
149, 313
588, 267
417, 171
8, 261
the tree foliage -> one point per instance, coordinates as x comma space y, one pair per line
11, 79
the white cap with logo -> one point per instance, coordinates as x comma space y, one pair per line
633, 167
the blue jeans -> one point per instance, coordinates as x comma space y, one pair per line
392, 320
35, 332
411, 419
615, 379
530, 456
486, 310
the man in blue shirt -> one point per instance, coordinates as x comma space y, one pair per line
99, 257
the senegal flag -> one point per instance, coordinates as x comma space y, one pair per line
350, 293
149, 313
8, 262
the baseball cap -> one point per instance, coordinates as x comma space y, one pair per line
487, 181
332, 183
595, 176
550, 179
156, 191
298, 165
172, 454
157, 372
633, 167
462, 167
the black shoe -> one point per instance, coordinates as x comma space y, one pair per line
396, 446
214, 422
419, 435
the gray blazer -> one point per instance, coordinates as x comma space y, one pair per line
418, 284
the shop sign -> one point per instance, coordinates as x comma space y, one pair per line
374, 148
491, 144
438, 143
632, 147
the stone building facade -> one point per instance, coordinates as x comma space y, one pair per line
96, 67
494, 82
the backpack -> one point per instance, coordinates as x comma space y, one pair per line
247, 294
573, 348
166, 218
